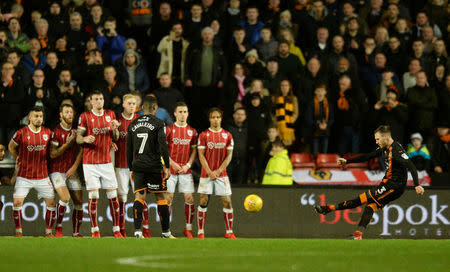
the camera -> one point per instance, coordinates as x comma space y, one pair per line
106, 31
66, 84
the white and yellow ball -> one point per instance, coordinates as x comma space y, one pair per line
253, 203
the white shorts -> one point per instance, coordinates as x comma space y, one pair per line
99, 176
185, 183
43, 187
59, 180
221, 185
123, 180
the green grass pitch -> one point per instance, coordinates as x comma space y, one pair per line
217, 254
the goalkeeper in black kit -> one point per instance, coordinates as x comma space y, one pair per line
146, 148
391, 187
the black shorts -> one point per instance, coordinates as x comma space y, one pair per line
384, 193
151, 182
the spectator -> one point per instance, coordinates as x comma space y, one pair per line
39, 95
238, 47
162, 23
4, 47
279, 168
266, 147
257, 87
386, 83
289, 64
205, 72
173, 50
392, 113
161, 113
234, 90
167, 95
113, 89
428, 39
348, 114
140, 18
68, 89
237, 169
443, 95
409, 78
271, 14
404, 32
440, 150
307, 84
353, 35
218, 33
381, 38
286, 112
109, 41
267, 47
71, 59
391, 17
255, 66
418, 47
34, 59
45, 40
422, 20
272, 76
320, 118
395, 55
76, 36
96, 20
422, 102
320, 48
287, 24
337, 51
57, 20
252, 25
194, 24
232, 16
20, 72
348, 10
418, 153
258, 120
437, 57
16, 38
52, 70
286, 35
133, 72
372, 13
93, 72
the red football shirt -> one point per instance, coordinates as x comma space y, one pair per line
98, 126
62, 163
121, 153
216, 144
32, 152
180, 141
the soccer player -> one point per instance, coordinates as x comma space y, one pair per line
65, 158
32, 142
215, 149
100, 127
121, 166
146, 146
182, 141
391, 187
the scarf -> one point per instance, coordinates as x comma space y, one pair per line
389, 108
342, 102
326, 109
241, 93
284, 111
274, 9
232, 11
446, 138
111, 86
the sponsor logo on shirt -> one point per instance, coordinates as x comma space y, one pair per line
181, 141
123, 134
212, 145
36, 147
98, 131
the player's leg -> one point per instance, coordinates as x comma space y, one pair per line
21, 190
77, 213
92, 178
205, 189
64, 197
138, 207
123, 180
109, 183
50, 215
186, 186
171, 185
348, 204
223, 189
163, 211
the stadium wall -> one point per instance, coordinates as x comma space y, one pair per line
287, 213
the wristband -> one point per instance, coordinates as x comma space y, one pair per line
188, 165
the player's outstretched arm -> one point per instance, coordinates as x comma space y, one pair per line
365, 157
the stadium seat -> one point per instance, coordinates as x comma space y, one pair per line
302, 160
356, 166
327, 161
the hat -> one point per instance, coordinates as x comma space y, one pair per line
253, 53
416, 136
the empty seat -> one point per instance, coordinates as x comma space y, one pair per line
327, 161
302, 160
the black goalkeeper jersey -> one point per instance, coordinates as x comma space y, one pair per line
396, 161
146, 145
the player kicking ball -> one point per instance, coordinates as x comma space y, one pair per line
391, 187
182, 141
32, 142
65, 157
215, 149
146, 144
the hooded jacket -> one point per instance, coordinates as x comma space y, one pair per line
141, 80
279, 170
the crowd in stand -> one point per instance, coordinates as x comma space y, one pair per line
319, 75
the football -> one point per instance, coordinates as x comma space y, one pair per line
253, 203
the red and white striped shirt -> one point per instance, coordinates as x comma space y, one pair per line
32, 152
216, 144
62, 163
121, 153
180, 140
98, 126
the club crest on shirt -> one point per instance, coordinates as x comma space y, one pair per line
45, 137
28, 137
108, 118
190, 133
224, 135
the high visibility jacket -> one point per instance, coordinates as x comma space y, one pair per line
278, 170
